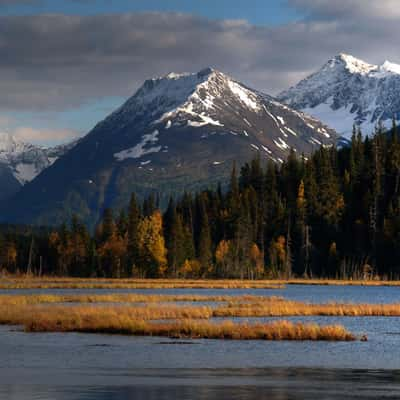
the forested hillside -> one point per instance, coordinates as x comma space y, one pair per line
335, 214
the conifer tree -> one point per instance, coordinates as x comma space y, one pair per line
175, 239
134, 218
204, 251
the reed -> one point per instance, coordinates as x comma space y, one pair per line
29, 282
22, 314
186, 321
167, 306
76, 283
276, 307
112, 322
119, 298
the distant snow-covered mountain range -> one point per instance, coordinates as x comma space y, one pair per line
26, 160
348, 91
21, 162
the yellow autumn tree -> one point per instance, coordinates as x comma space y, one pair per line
190, 269
300, 201
8, 256
222, 256
112, 252
151, 245
277, 255
257, 262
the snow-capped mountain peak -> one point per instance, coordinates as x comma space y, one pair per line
214, 101
353, 64
388, 66
200, 104
348, 91
174, 91
182, 96
159, 95
10, 144
25, 160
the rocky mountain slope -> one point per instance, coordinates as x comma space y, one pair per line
178, 132
348, 91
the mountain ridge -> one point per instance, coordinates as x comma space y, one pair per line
177, 132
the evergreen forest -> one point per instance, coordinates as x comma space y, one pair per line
335, 214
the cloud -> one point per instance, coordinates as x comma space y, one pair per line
5, 121
55, 62
348, 9
36, 135
39, 136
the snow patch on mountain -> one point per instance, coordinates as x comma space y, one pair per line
281, 144
204, 120
246, 96
26, 172
342, 119
139, 150
291, 131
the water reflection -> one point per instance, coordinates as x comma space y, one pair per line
199, 384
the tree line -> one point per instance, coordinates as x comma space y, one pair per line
335, 214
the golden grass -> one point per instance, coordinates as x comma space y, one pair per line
30, 282
100, 283
23, 314
340, 282
119, 298
42, 313
112, 321
152, 307
278, 307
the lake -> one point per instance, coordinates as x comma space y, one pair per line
83, 366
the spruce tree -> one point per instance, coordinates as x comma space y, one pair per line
134, 217
204, 251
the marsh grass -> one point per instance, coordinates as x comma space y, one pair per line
79, 283
30, 282
23, 314
152, 307
109, 321
119, 298
140, 314
278, 307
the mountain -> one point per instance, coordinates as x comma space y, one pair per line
348, 91
21, 162
178, 132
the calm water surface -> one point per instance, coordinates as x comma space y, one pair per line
81, 366
311, 293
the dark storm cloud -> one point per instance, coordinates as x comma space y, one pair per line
57, 61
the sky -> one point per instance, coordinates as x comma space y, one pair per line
66, 64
